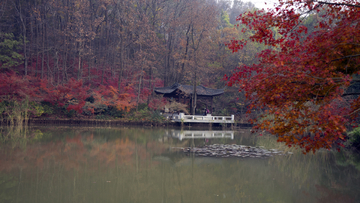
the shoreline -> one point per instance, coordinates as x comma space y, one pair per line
96, 122
114, 123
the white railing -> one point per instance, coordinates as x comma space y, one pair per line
203, 119
188, 134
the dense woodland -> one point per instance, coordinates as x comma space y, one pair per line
298, 63
89, 56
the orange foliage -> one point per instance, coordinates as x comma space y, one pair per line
62, 94
71, 94
110, 96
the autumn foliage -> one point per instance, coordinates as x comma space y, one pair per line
110, 96
304, 79
15, 87
71, 95
73, 90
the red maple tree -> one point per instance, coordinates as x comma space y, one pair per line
302, 79
73, 93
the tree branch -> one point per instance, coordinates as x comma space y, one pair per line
338, 4
349, 94
350, 56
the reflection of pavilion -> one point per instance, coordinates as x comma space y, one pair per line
189, 134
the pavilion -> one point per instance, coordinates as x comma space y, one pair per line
183, 94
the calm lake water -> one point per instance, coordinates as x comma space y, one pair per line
84, 164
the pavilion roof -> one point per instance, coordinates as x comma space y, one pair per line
188, 89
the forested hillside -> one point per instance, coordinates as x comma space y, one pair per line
89, 56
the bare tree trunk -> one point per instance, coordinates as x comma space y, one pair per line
23, 22
181, 74
57, 73
50, 77
150, 86
139, 89
65, 76
42, 52
24, 42
37, 46
121, 59
140, 82
31, 39
89, 67
79, 64
194, 96
103, 72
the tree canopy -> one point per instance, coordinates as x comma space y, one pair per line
305, 81
119, 50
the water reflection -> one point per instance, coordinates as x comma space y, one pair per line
62, 164
194, 134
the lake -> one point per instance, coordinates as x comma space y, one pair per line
88, 164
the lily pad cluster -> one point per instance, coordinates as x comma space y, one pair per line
226, 150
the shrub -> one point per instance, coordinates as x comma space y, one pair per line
90, 99
142, 106
114, 112
69, 113
47, 107
354, 138
177, 107
147, 115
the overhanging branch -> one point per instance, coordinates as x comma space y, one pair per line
350, 56
349, 94
337, 4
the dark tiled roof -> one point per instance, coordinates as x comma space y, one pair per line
188, 89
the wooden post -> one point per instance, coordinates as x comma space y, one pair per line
233, 121
181, 117
190, 105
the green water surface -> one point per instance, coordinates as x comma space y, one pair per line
85, 164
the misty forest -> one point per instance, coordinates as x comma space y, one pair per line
103, 58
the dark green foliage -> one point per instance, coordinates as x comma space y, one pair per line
354, 138
156, 117
147, 115
346, 158
3, 107
114, 112
142, 106
48, 108
68, 113
105, 112
102, 116
87, 113
9, 51
90, 99
100, 109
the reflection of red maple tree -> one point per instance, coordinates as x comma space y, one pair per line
301, 79
75, 153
